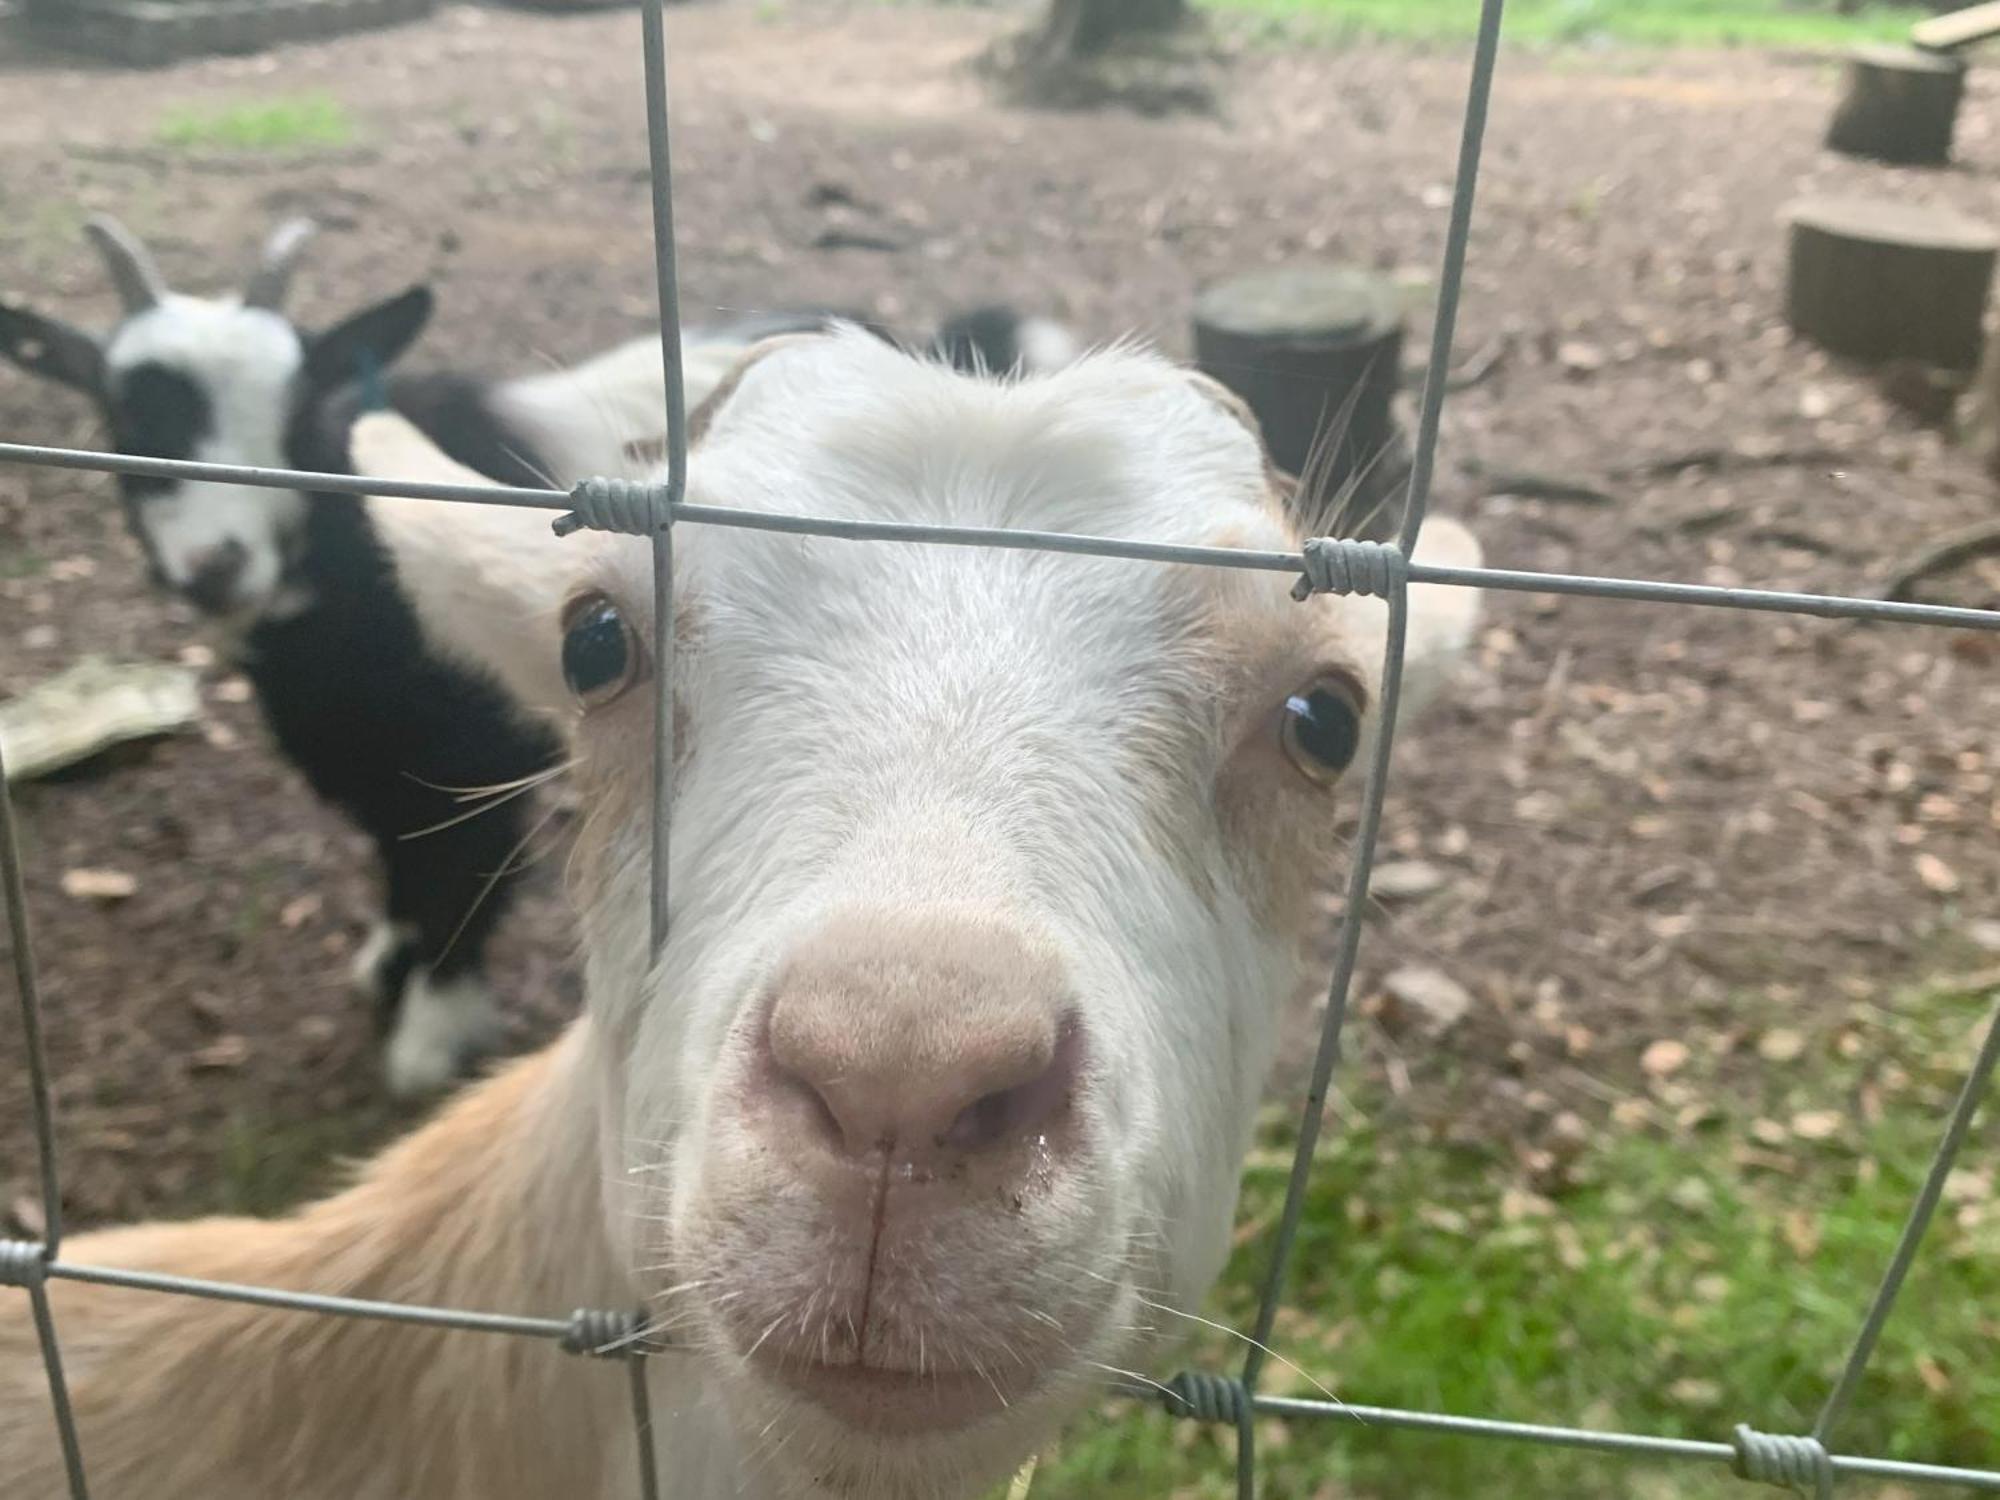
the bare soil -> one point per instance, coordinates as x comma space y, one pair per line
1641, 815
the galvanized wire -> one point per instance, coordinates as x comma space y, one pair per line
1977, 1078
1451, 281
1323, 565
1503, 580
667, 279
1219, 1399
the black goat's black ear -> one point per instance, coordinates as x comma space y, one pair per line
52, 349
364, 344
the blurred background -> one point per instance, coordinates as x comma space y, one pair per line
1687, 921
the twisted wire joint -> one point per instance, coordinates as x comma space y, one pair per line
1342, 565
1800, 1463
1206, 1397
632, 507
602, 1334
23, 1263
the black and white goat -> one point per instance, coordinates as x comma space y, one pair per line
313, 602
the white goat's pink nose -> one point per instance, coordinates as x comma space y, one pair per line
928, 1038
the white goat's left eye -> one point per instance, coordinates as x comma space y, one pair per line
601, 654
1321, 728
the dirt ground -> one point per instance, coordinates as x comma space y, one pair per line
1631, 817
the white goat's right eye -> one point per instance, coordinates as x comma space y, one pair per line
601, 655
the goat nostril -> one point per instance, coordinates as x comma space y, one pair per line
826, 1117
1008, 1114
981, 1122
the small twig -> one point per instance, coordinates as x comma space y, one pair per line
1475, 371
1713, 458
1954, 551
1533, 484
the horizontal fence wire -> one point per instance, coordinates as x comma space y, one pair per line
1502, 580
1322, 565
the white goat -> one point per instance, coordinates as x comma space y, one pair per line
992, 875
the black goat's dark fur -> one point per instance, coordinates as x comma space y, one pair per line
387, 730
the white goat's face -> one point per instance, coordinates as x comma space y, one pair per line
991, 871
210, 380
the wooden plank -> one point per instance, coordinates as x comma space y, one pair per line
91, 707
1957, 28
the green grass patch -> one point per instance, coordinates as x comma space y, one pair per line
1678, 23
265, 1167
289, 123
1689, 1276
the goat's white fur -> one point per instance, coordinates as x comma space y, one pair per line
1023, 734
245, 359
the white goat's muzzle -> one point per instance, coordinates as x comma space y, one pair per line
900, 1208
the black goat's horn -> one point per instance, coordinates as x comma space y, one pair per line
138, 280
273, 276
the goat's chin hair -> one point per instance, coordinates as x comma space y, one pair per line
794, 1452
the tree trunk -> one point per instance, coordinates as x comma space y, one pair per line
1316, 352
1087, 28
1901, 106
1879, 280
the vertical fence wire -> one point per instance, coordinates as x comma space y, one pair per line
1922, 1211
666, 274
28, 1264
1479, 93
1327, 565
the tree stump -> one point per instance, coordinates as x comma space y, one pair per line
1901, 106
1878, 280
1316, 352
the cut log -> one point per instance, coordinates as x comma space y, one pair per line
91, 707
1901, 105
1957, 28
1316, 352
1877, 280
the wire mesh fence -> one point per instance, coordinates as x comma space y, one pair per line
1806, 1461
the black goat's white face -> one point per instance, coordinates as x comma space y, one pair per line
219, 380
214, 381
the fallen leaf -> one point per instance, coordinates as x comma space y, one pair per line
299, 911
1580, 358
224, 1052
1431, 997
1631, 1114
1936, 874
98, 885
1405, 879
1817, 1124
1664, 1057
1965, 1185
1781, 1045
1769, 1132
1932, 1374
1801, 1231
1693, 1195
1517, 1204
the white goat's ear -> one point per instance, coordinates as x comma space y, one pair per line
1443, 617
486, 581
721, 387
1284, 488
